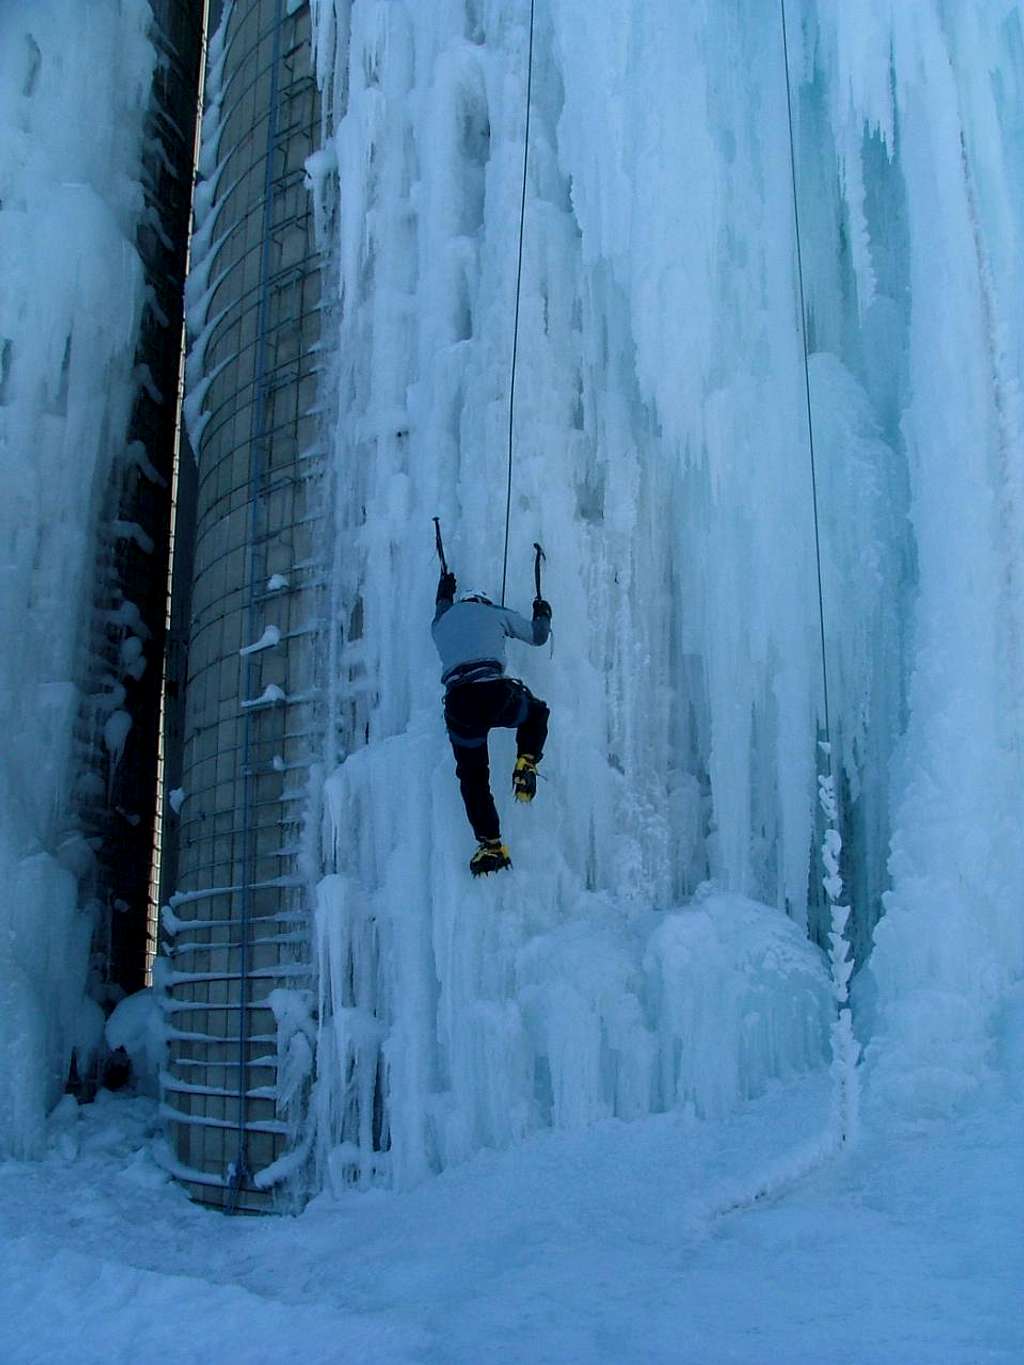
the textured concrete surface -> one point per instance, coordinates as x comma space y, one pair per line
245, 762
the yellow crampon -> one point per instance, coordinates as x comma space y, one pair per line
491, 856
524, 778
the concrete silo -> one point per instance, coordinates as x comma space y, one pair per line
236, 969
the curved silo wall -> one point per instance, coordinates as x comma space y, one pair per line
235, 973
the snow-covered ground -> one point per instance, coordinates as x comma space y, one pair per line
629, 1242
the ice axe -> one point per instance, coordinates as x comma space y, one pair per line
439, 544
538, 556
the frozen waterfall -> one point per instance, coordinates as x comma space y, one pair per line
648, 951
75, 84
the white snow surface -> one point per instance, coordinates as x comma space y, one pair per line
137, 1025
74, 87
633, 1243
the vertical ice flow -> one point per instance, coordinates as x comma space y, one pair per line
640, 956
74, 87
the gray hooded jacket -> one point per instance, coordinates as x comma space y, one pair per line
473, 632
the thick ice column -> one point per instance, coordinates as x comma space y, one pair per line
951, 939
86, 441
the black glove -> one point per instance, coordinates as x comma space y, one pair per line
541, 608
446, 588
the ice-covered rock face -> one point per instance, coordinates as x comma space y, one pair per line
661, 456
74, 86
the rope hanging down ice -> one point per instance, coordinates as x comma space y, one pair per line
519, 283
845, 1050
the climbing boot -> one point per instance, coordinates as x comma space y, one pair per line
524, 777
491, 856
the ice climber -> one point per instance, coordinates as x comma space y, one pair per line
470, 635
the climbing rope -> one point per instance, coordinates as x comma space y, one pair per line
807, 383
845, 1050
519, 283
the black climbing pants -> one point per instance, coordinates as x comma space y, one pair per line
471, 710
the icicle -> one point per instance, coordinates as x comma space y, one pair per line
845, 1048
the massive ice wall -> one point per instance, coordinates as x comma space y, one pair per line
74, 87
939, 87
661, 455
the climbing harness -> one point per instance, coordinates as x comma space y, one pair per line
845, 1049
519, 283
